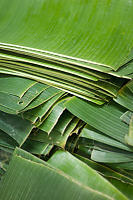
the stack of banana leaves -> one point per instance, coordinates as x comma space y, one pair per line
66, 100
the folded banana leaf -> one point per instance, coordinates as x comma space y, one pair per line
68, 55
46, 178
61, 34
66, 85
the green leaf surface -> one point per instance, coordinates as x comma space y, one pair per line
95, 16
43, 179
125, 96
90, 133
6, 141
89, 177
55, 137
49, 123
35, 147
104, 118
15, 85
16, 127
37, 114
110, 157
106, 171
129, 136
125, 188
126, 117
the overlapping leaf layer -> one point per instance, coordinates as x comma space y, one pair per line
66, 93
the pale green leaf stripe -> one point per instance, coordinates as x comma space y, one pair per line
63, 85
45, 67
107, 86
21, 60
129, 136
78, 65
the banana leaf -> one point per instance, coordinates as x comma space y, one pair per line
91, 133
55, 137
67, 32
57, 57
105, 118
66, 162
66, 67
106, 171
44, 177
125, 96
16, 127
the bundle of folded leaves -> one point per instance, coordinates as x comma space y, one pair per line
66, 99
